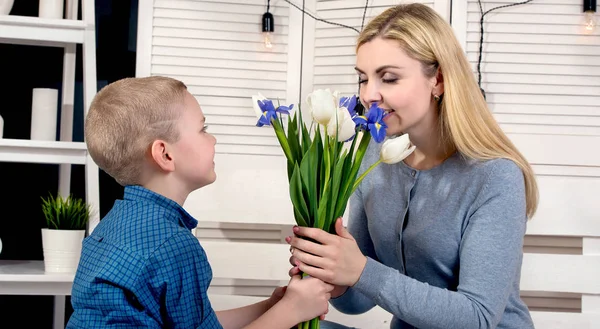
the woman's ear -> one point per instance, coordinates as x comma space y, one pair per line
438, 86
160, 152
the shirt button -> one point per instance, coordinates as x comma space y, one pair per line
413, 173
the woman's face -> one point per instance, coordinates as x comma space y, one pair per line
389, 77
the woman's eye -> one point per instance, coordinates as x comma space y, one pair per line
205, 128
389, 78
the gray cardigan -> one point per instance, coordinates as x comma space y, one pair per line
443, 246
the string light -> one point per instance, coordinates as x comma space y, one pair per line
589, 9
268, 27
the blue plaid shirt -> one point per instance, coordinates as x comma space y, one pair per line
142, 268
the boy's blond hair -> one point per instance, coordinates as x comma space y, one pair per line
124, 119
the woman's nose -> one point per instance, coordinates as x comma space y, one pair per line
370, 94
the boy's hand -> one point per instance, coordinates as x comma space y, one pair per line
276, 296
335, 293
307, 298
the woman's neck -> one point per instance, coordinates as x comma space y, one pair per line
431, 150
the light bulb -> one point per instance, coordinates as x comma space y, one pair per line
589, 21
268, 27
267, 39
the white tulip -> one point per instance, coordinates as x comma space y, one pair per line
323, 105
344, 124
256, 107
396, 149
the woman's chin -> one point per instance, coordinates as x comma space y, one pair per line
393, 125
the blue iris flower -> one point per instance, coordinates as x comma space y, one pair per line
269, 112
285, 109
350, 103
375, 122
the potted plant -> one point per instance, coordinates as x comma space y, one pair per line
66, 221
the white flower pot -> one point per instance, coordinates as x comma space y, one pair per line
62, 249
6, 6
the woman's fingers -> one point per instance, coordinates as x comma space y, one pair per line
305, 245
315, 234
294, 271
309, 259
315, 272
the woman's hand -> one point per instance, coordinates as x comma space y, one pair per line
336, 260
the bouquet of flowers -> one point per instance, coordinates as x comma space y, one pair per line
323, 158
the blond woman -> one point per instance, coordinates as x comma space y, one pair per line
437, 239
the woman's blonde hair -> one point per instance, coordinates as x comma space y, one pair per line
126, 117
466, 122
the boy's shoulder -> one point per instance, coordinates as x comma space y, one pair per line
142, 229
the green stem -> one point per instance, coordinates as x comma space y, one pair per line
311, 324
365, 175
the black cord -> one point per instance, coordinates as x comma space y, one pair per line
301, 52
364, 15
328, 22
268, 5
481, 34
359, 107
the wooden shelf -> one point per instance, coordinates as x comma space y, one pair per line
37, 31
27, 277
32, 151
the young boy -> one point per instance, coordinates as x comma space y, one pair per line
141, 267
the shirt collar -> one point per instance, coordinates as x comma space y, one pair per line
139, 193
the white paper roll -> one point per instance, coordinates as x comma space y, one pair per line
51, 9
44, 110
6, 6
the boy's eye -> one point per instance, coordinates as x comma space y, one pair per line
205, 128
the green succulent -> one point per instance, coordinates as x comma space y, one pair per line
65, 213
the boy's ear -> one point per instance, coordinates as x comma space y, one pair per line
161, 156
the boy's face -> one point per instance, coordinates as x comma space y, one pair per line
195, 149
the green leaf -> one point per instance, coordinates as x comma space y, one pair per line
297, 197
347, 181
65, 213
320, 169
322, 209
298, 217
282, 138
305, 139
325, 183
310, 180
293, 140
335, 190
351, 182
